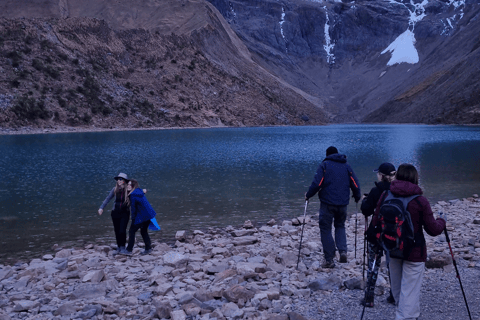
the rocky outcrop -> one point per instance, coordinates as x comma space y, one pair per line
209, 276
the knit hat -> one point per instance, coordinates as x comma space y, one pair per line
331, 150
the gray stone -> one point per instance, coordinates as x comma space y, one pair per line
163, 309
95, 276
438, 260
329, 283
6, 272
180, 235
217, 268
86, 291
65, 253
296, 316
178, 315
244, 241
287, 259
146, 296
231, 311
175, 259
248, 225
65, 309
203, 295
25, 305
243, 232
237, 292
354, 283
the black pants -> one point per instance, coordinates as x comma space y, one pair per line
143, 231
120, 222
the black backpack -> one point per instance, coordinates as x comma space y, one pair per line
394, 230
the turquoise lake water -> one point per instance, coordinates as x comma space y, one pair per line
53, 184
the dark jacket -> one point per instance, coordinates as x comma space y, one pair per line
140, 208
333, 181
369, 203
422, 217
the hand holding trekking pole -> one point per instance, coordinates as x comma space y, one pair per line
456, 269
303, 226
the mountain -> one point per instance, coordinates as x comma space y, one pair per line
370, 61
135, 64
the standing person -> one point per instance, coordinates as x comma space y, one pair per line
142, 215
333, 181
406, 274
385, 175
120, 212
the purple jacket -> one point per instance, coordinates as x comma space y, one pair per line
422, 217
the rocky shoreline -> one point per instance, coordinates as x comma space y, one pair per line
238, 273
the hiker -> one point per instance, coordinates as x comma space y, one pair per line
333, 180
120, 212
142, 215
406, 274
385, 175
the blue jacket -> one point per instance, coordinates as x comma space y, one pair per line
333, 181
140, 208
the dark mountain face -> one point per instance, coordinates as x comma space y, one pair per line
370, 61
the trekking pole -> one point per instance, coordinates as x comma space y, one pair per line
364, 247
458, 274
356, 212
301, 237
366, 285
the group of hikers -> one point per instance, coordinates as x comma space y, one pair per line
400, 215
130, 204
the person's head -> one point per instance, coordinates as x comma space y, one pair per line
407, 172
121, 179
385, 172
132, 185
331, 150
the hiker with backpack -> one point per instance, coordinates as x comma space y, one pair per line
333, 180
385, 175
400, 218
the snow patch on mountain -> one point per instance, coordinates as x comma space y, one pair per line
329, 44
403, 49
281, 28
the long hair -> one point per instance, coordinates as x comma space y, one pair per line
407, 172
135, 185
119, 189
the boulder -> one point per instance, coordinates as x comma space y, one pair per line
162, 308
95, 276
242, 233
178, 315
180, 235
237, 292
328, 283
438, 260
65, 309
89, 291
25, 305
175, 259
244, 241
231, 311
65, 253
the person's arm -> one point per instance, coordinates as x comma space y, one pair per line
369, 203
355, 185
106, 201
317, 182
133, 207
432, 226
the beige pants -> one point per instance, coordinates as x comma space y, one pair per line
406, 281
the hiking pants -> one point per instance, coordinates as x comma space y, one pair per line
120, 222
406, 280
143, 231
337, 215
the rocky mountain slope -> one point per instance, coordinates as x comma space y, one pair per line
370, 61
135, 64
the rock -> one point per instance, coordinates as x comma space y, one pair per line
231, 311
174, 259
146, 296
248, 225
164, 288
163, 309
278, 317
65, 253
94, 276
25, 305
355, 283
6, 272
222, 251
225, 274
191, 309
47, 257
287, 259
178, 315
203, 295
180, 235
250, 267
438, 260
329, 283
65, 309
237, 292
244, 241
476, 221
89, 291
216, 269
242, 233
271, 222
295, 316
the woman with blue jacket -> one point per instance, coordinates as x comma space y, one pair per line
142, 215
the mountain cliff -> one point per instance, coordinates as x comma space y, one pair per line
135, 64
367, 60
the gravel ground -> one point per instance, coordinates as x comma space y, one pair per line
441, 298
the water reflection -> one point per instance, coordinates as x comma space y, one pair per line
53, 184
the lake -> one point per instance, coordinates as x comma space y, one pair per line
53, 184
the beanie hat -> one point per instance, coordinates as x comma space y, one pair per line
331, 150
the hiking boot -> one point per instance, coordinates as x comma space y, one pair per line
125, 252
343, 257
391, 299
118, 251
147, 251
328, 264
368, 303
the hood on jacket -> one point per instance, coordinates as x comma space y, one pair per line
337, 158
404, 188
